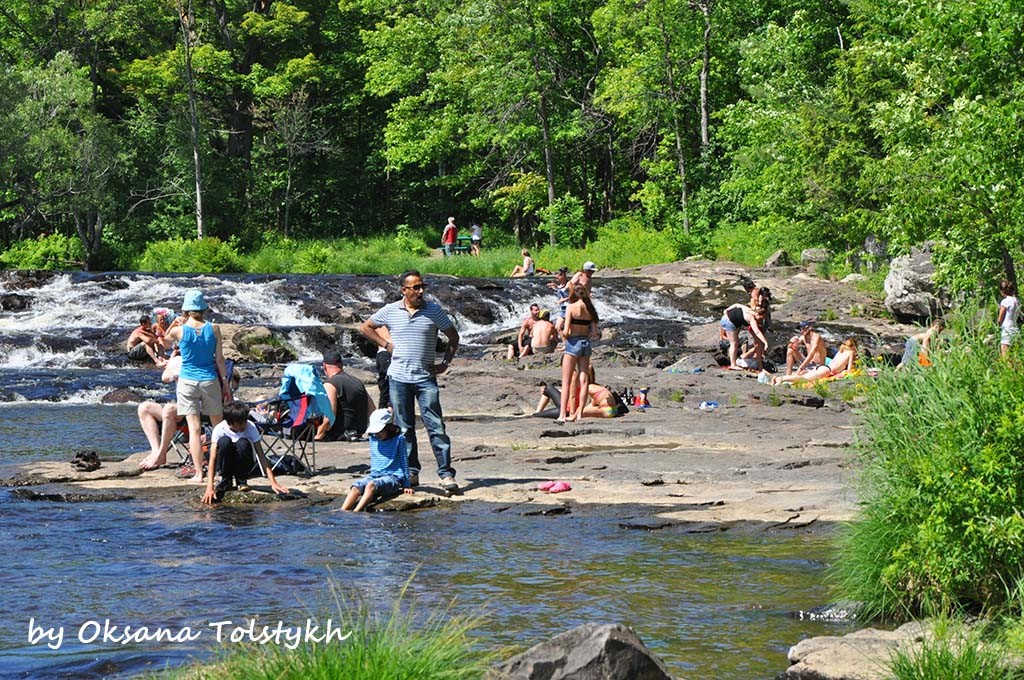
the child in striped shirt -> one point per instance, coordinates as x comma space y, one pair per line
389, 465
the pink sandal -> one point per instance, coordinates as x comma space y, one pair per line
559, 487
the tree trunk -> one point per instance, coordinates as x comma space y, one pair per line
90, 231
677, 131
288, 193
186, 19
549, 163
705, 67
1008, 267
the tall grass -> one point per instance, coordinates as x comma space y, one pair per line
954, 652
942, 484
401, 645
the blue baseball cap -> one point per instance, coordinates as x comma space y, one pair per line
194, 301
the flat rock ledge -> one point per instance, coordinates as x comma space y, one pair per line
862, 655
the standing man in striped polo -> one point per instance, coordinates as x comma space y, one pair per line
413, 323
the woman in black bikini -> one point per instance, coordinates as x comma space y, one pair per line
735, 318
580, 326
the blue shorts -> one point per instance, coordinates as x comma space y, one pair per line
728, 326
385, 485
578, 346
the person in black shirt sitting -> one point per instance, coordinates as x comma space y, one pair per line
350, 402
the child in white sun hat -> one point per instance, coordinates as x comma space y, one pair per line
389, 464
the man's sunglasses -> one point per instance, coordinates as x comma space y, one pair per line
418, 286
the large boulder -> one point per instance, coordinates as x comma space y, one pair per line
910, 290
254, 344
780, 258
815, 256
862, 655
588, 652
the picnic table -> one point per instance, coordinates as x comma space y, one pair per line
462, 244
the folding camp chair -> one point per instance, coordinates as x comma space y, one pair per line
293, 417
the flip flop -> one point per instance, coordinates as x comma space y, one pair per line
559, 487
545, 486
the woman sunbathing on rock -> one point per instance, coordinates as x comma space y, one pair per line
602, 402
840, 366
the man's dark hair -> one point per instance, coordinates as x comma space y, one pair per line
407, 274
236, 412
144, 319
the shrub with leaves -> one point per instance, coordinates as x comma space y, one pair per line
180, 255
55, 251
942, 450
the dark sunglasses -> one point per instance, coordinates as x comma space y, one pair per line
418, 286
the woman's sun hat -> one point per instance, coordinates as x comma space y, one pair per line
194, 301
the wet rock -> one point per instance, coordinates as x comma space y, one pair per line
477, 311
26, 279
254, 344
122, 395
548, 512
648, 525
69, 494
331, 315
588, 652
251, 497
14, 302
780, 258
911, 293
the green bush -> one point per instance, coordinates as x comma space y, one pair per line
942, 450
408, 242
55, 251
565, 219
179, 255
752, 244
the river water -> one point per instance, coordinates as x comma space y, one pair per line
710, 605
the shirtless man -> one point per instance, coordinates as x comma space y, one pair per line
544, 336
585, 276
815, 348
143, 343
523, 345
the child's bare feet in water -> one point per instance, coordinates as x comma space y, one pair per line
153, 461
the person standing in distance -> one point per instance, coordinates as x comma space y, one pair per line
413, 323
448, 236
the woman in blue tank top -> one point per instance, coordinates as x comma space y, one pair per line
200, 388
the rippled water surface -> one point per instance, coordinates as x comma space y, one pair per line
710, 605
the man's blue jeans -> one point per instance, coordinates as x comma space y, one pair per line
403, 398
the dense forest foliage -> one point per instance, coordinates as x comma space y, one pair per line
729, 125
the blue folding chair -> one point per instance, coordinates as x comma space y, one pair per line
293, 417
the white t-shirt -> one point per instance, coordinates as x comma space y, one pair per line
1012, 309
222, 429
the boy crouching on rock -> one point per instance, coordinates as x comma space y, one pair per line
235, 446
389, 464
